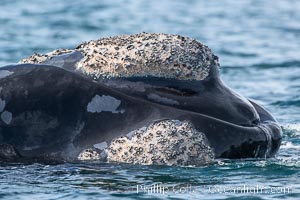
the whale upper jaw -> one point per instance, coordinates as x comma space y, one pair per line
215, 98
209, 97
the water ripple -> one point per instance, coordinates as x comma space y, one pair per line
259, 59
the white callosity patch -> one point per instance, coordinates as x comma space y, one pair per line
104, 103
89, 154
139, 55
6, 117
97, 152
5, 73
168, 142
2, 105
40, 58
7, 151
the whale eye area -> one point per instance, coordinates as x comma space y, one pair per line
177, 91
255, 122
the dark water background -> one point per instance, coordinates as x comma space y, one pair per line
258, 43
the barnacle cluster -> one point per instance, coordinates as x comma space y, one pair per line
139, 55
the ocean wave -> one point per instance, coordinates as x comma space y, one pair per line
291, 132
293, 127
287, 103
285, 64
238, 54
289, 145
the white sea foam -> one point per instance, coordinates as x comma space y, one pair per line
295, 127
289, 145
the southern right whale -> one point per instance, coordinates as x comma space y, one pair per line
166, 79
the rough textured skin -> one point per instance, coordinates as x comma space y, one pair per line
8, 152
40, 58
88, 154
138, 55
168, 142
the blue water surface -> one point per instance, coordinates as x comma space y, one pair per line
258, 43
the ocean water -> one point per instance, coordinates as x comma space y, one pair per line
258, 43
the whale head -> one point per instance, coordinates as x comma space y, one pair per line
172, 63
